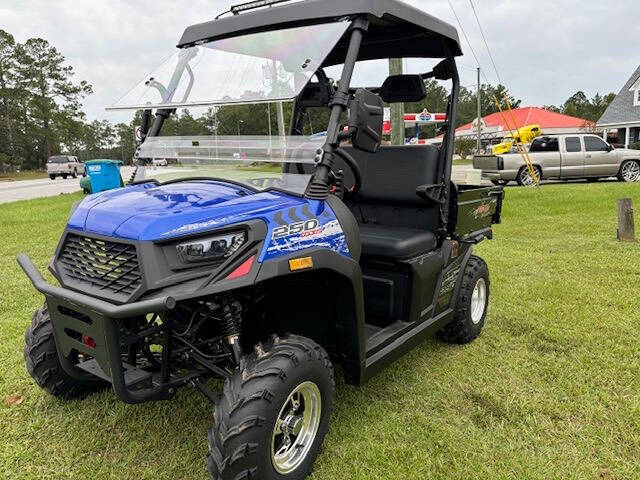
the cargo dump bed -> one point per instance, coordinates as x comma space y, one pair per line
474, 210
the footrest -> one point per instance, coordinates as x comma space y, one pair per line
134, 378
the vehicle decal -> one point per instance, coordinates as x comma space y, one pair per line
448, 285
483, 210
306, 230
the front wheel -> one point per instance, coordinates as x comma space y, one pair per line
43, 364
525, 179
274, 413
52, 177
629, 171
471, 307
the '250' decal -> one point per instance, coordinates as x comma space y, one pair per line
305, 229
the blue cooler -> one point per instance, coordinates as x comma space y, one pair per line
104, 174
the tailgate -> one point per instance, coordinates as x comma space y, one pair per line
475, 210
487, 162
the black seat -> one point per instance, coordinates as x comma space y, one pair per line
395, 243
395, 223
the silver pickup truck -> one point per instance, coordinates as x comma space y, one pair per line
65, 166
563, 157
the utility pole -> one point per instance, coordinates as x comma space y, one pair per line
281, 131
397, 109
479, 126
280, 109
269, 118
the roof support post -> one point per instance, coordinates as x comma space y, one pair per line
319, 186
446, 150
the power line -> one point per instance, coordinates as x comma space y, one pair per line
468, 42
486, 44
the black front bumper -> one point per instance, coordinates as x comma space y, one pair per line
74, 315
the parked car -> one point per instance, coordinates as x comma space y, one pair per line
160, 162
563, 157
64, 166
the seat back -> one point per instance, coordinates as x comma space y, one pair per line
390, 178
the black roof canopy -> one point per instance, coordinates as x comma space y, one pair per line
396, 30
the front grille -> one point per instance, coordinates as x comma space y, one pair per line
104, 266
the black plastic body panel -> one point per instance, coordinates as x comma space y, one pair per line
474, 209
158, 264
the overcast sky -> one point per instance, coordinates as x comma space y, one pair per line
545, 50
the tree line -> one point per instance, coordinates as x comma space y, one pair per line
41, 109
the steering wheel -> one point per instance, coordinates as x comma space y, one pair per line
354, 167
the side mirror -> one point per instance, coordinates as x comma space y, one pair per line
366, 116
443, 71
610, 148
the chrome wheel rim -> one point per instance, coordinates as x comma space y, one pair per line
631, 171
478, 301
296, 427
527, 179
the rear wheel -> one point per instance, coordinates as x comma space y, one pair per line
64, 176
471, 308
52, 177
525, 179
629, 171
43, 364
274, 413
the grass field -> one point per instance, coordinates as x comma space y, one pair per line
463, 162
550, 390
26, 175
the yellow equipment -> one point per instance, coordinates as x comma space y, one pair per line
523, 135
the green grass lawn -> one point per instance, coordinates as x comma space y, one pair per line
551, 389
463, 162
26, 175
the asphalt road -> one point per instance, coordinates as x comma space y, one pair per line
27, 189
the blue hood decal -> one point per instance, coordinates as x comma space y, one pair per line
151, 212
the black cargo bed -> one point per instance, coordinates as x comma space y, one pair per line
474, 210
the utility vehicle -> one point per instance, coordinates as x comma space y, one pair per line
264, 261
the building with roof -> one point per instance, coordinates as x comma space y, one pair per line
494, 129
621, 120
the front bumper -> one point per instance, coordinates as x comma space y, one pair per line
74, 315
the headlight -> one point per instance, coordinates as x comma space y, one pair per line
211, 248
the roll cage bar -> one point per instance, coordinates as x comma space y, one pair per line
323, 178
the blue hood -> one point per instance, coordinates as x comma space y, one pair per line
160, 212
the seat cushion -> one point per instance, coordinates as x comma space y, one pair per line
395, 243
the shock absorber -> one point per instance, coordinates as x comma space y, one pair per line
232, 325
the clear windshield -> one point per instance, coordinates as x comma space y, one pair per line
260, 67
260, 163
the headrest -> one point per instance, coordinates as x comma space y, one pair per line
403, 88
